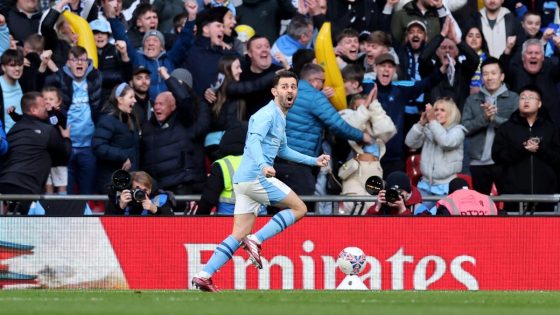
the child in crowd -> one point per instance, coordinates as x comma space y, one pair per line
58, 177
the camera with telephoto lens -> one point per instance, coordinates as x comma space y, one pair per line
375, 184
122, 180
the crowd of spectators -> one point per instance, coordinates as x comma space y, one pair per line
470, 90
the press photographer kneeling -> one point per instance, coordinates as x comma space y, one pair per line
131, 194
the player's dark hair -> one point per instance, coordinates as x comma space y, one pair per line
283, 74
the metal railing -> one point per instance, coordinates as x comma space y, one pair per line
334, 199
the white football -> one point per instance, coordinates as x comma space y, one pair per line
351, 260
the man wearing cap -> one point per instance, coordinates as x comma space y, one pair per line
408, 53
410, 50
394, 96
140, 84
113, 60
173, 138
377, 43
432, 12
208, 47
153, 54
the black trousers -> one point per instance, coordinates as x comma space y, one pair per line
484, 175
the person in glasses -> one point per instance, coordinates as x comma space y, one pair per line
527, 146
80, 84
534, 68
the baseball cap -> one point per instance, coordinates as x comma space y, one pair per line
155, 33
384, 58
417, 22
399, 179
100, 25
182, 75
141, 69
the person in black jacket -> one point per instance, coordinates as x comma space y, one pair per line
35, 146
114, 62
360, 15
534, 68
172, 147
139, 199
23, 18
116, 141
528, 148
446, 46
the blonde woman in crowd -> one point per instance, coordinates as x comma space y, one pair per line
441, 137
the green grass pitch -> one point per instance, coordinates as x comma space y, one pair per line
48, 302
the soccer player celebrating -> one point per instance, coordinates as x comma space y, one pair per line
255, 184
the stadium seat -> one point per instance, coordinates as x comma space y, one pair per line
413, 168
494, 192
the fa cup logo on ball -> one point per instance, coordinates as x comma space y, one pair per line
351, 260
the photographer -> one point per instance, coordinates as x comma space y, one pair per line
137, 198
397, 196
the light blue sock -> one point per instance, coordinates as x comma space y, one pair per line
277, 224
222, 255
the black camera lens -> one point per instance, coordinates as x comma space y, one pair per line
121, 180
392, 195
138, 195
374, 184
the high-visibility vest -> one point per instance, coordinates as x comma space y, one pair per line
468, 202
229, 165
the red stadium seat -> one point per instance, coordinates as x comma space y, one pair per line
413, 168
